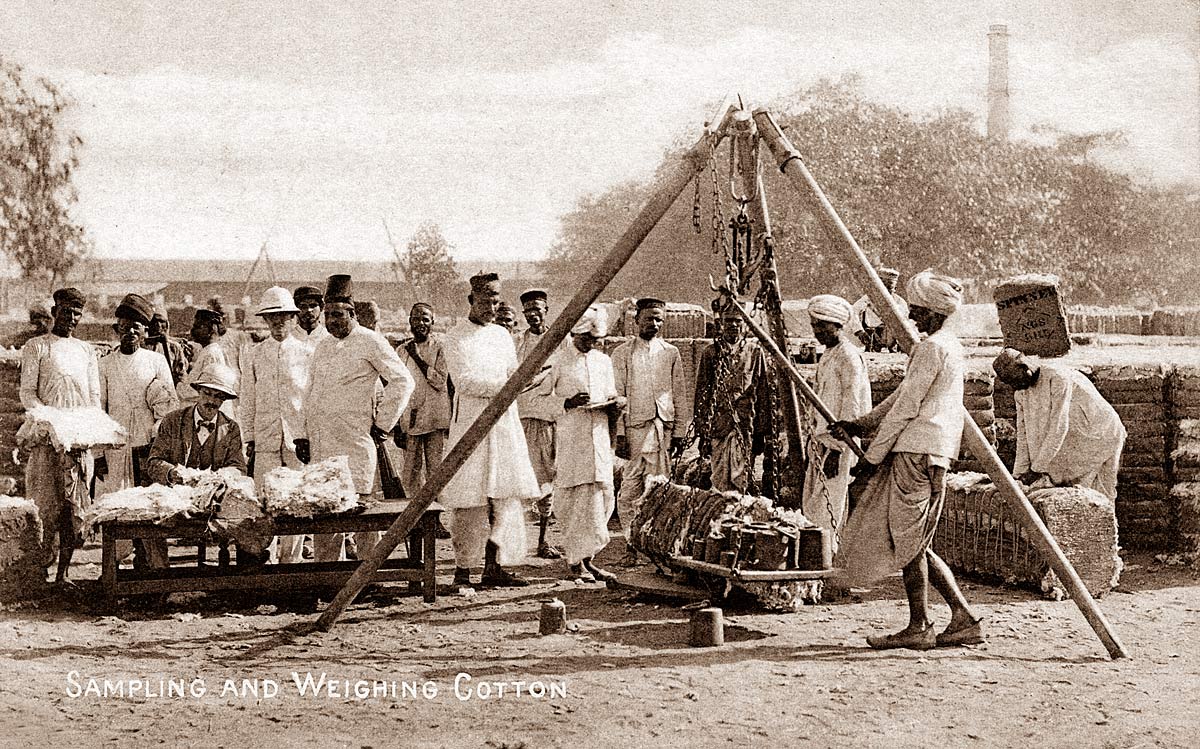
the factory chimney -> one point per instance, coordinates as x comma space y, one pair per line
997, 116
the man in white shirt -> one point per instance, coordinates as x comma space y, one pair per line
486, 496
918, 430
582, 378
845, 389
345, 413
649, 375
274, 383
1067, 434
60, 371
310, 301
539, 409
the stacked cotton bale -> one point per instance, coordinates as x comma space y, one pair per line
1145, 510
978, 389
1109, 321
1183, 396
979, 533
1005, 405
20, 535
12, 414
1177, 321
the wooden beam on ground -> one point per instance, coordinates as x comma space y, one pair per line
791, 164
671, 185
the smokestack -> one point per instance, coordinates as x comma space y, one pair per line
997, 116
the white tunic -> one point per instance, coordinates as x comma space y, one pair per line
274, 381
341, 404
582, 443
59, 372
480, 360
136, 390
1067, 430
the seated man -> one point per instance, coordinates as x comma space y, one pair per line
1067, 434
198, 435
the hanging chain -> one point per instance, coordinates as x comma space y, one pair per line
718, 220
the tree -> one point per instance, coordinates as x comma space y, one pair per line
429, 267
916, 192
38, 157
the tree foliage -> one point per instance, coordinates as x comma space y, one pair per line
38, 158
429, 268
919, 192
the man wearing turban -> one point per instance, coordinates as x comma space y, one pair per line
1067, 434
60, 371
844, 387
582, 378
486, 496
917, 432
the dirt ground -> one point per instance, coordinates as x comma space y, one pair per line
629, 677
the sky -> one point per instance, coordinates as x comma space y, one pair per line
211, 128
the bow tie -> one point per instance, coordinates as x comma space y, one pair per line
209, 425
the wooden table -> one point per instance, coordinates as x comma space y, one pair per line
419, 572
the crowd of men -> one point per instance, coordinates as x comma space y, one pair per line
326, 383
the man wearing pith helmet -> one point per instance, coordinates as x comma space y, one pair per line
273, 387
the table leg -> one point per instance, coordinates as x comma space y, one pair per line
108, 566
201, 553
428, 527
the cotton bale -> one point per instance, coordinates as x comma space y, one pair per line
21, 572
1032, 316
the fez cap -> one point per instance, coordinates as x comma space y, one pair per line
307, 292
485, 281
160, 311
135, 307
71, 297
208, 316
339, 288
889, 272
650, 302
534, 295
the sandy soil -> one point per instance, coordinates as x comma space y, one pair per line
630, 679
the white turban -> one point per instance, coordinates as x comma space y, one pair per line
594, 321
830, 308
936, 292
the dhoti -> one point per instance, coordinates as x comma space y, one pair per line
730, 463
539, 437
583, 512
894, 520
58, 484
824, 500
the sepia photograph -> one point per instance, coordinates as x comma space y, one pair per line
623, 373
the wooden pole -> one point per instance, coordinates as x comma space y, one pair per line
793, 166
660, 202
773, 349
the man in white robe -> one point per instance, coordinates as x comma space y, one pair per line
274, 383
582, 378
649, 375
342, 413
845, 389
486, 496
539, 409
136, 390
60, 371
918, 431
1067, 434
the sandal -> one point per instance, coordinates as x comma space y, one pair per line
925, 639
972, 634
